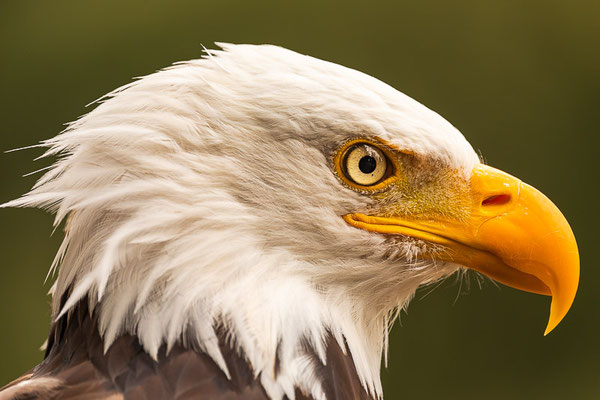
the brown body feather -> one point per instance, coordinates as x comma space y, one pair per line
76, 367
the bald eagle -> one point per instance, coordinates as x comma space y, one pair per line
248, 226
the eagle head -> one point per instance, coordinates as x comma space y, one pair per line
286, 200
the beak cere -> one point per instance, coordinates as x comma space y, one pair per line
514, 234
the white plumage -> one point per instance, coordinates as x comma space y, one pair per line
205, 194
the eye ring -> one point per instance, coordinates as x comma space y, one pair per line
365, 165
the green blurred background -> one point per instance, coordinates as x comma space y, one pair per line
521, 80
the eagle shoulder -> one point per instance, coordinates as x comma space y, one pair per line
76, 367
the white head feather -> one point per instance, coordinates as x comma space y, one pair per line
204, 194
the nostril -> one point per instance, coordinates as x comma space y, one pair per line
496, 200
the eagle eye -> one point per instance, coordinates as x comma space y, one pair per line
364, 164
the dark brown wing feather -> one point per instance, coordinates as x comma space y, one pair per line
75, 367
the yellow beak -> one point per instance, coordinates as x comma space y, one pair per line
514, 234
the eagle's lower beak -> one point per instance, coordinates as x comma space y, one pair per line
514, 234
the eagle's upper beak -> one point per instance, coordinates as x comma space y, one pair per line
514, 234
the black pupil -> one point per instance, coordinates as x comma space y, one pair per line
367, 164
